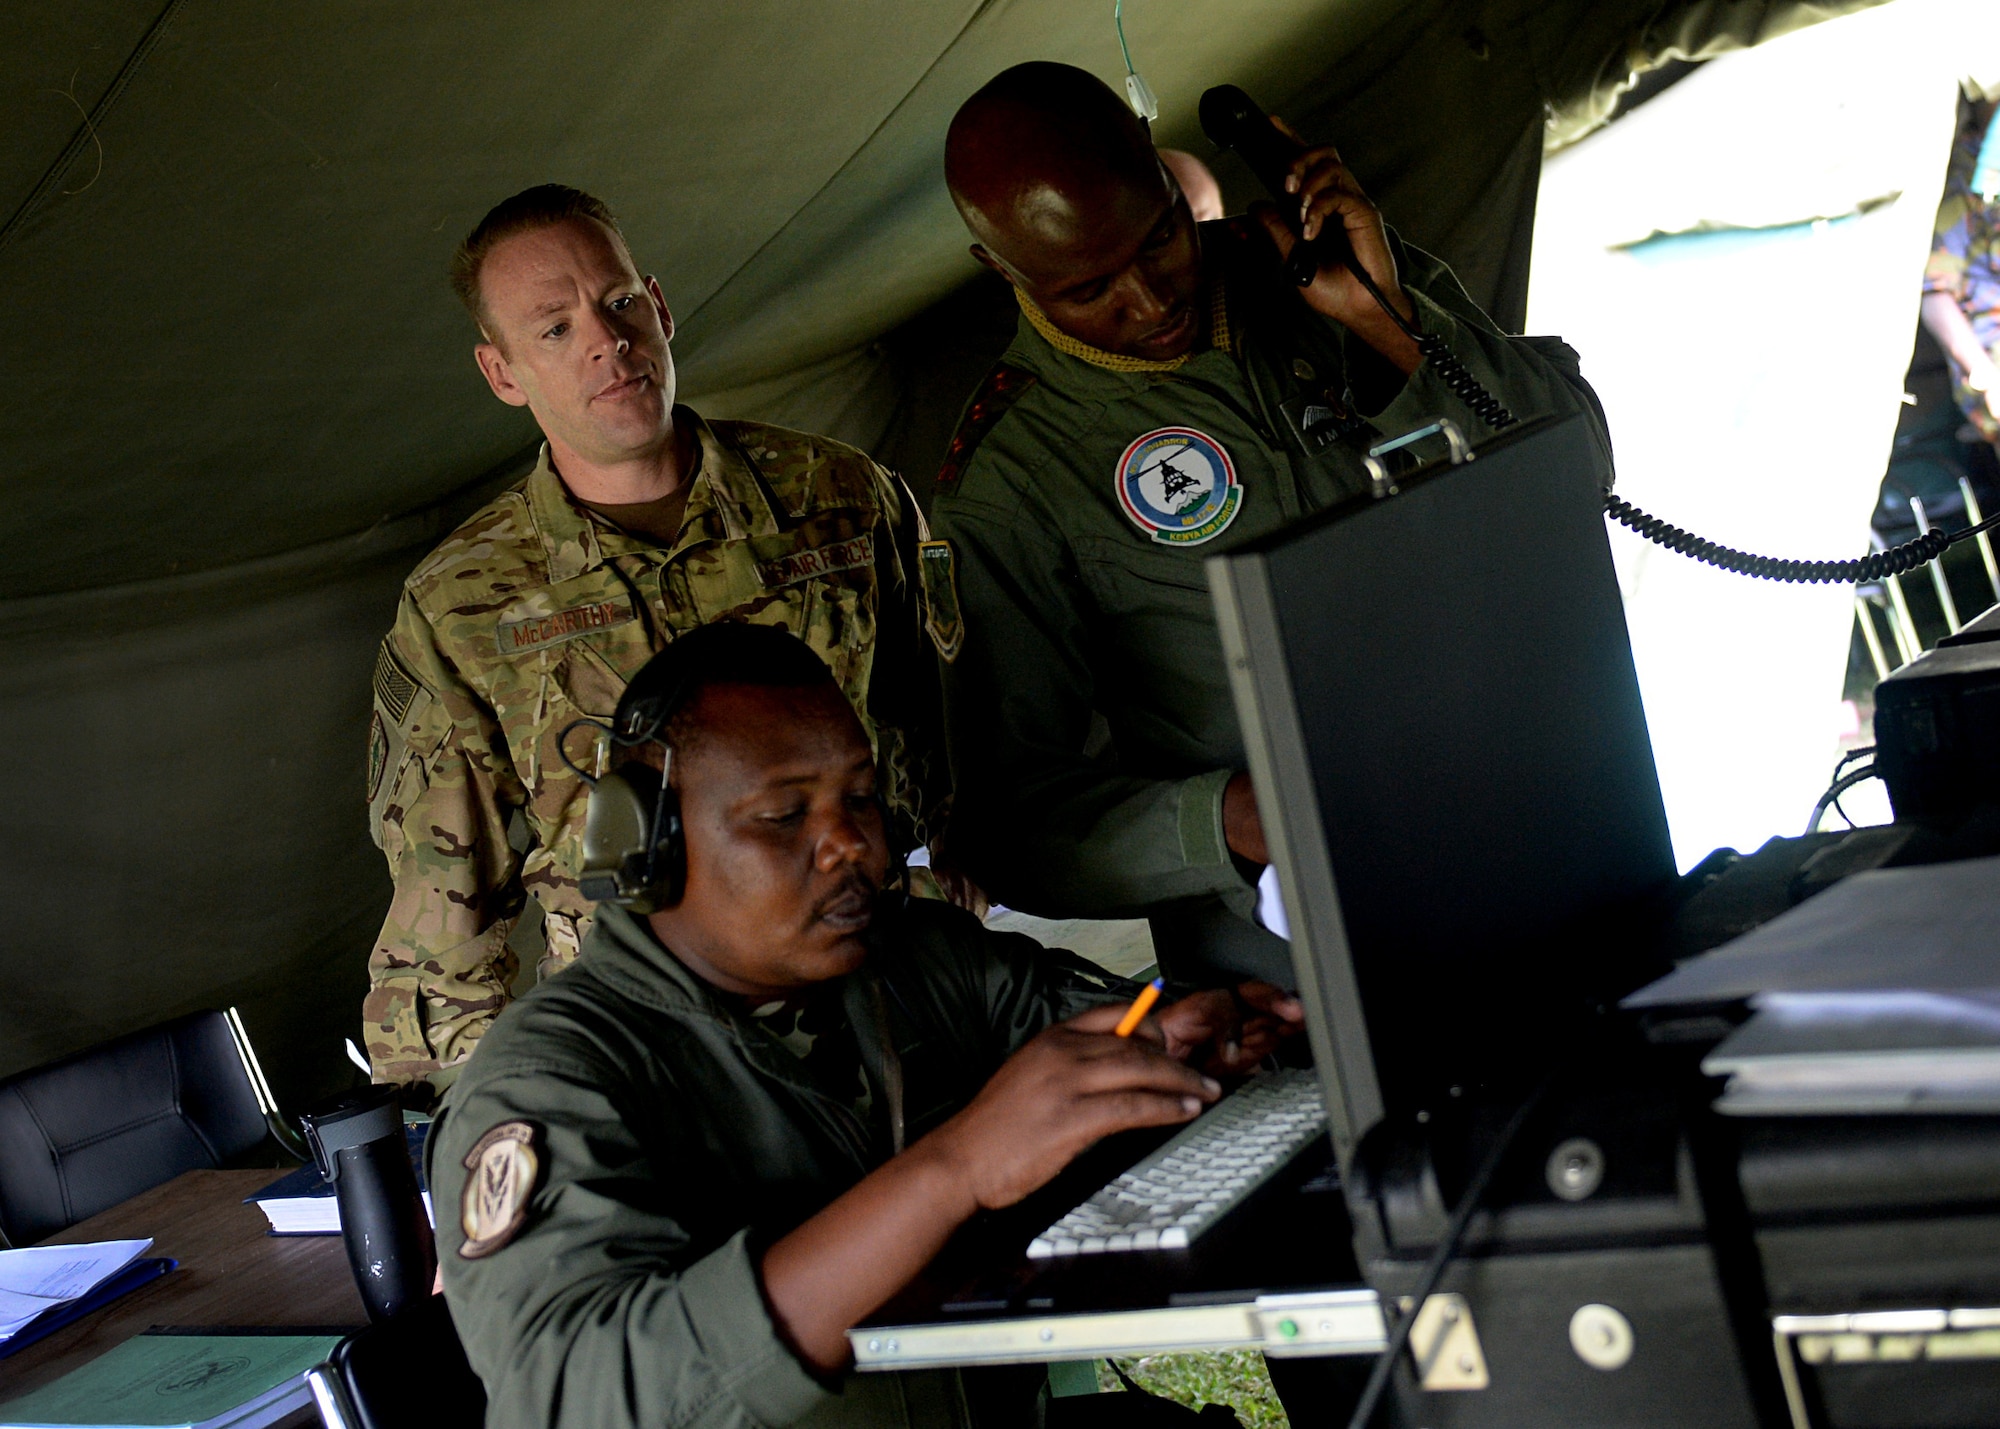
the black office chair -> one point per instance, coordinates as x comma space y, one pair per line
80, 1135
408, 1372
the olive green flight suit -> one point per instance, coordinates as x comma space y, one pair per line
534, 614
1070, 608
675, 1137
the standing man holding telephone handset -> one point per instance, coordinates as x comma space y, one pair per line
1170, 392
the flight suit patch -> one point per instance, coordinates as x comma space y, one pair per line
1179, 486
517, 637
937, 569
378, 754
849, 555
504, 1166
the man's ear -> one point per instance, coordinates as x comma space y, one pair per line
660, 305
978, 251
499, 375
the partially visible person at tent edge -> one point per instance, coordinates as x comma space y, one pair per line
640, 521
1166, 388
1961, 304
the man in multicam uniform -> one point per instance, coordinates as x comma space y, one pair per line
1962, 280
641, 521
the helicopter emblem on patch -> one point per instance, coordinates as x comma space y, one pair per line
1179, 486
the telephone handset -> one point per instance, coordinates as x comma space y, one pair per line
1233, 120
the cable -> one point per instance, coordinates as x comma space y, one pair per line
1137, 92
1442, 359
562, 739
1454, 1231
1832, 796
1893, 561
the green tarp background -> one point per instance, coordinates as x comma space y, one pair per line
237, 402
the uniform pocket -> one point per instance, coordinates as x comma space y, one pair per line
1130, 576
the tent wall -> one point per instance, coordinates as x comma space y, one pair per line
238, 402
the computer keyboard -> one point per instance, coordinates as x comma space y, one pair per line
1201, 1175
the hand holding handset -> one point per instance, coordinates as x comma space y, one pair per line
1232, 119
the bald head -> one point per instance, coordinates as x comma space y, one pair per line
1059, 183
1033, 152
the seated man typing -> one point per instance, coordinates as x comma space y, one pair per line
670, 1180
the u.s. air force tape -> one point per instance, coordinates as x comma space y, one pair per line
504, 1167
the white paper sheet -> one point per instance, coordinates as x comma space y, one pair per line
42, 1277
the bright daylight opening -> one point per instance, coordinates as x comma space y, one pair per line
1740, 261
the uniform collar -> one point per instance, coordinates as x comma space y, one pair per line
1219, 336
727, 502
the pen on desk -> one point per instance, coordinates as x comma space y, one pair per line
1141, 1005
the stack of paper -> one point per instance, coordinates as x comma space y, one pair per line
303, 1203
1855, 1053
1881, 994
1925, 929
166, 1379
44, 1281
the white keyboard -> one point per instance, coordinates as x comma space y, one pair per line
1200, 1176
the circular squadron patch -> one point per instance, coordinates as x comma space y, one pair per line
1179, 486
378, 754
493, 1207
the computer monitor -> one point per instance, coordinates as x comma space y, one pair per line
1444, 729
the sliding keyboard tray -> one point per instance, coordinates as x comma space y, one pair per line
1276, 1274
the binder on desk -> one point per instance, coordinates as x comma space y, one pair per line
143, 1271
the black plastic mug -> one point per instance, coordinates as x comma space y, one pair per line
357, 1139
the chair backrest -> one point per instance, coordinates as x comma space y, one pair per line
408, 1372
85, 1133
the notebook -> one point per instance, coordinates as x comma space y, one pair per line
170, 1379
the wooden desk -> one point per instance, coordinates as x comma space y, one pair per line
231, 1273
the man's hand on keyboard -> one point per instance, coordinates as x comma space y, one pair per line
1229, 1031
1067, 1089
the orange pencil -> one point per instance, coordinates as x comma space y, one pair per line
1141, 1005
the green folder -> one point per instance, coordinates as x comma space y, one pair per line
178, 1380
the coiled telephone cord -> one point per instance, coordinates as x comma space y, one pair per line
1874, 567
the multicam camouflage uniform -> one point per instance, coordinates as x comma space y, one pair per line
534, 614
1965, 258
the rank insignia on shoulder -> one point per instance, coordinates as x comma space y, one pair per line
937, 569
1001, 389
504, 1167
1179, 486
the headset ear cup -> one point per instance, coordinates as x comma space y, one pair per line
616, 825
670, 872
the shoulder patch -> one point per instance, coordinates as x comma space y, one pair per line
396, 688
937, 569
1002, 388
504, 1168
